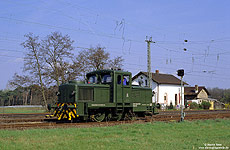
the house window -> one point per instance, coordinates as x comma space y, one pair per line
140, 82
166, 98
146, 83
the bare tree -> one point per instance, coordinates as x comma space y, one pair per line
95, 59
47, 60
56, 50
20, 80
33, 60
116, 63
92, 58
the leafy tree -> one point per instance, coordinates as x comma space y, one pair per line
216, 93
3, 96
226, 97
222, 95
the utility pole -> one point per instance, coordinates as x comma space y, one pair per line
149, 59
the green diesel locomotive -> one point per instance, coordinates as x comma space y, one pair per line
106, 95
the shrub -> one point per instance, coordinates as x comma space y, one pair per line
170, 106
205, 105
227, 106
186, 104
158, 106
193, 105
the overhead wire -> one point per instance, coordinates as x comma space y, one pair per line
141, 41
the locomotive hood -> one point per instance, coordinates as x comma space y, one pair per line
74, 91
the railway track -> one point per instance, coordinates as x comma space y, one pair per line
64, 125
22, 115
193, 112
24, 121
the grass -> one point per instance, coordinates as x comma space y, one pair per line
159, 135
22, 110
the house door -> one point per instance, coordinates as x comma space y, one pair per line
119, 89
175, 99
126, 88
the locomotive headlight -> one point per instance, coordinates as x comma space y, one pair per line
58, 93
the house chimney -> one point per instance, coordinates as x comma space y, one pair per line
196, 88
157, 71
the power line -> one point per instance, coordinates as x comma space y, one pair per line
2, 49
9, 56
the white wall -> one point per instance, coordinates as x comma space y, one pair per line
160, 90
169, 90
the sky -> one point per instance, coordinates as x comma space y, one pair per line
121, 27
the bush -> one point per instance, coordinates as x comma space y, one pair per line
227, 106
170, 106
193, 105
205, 105
158, 106
186, 104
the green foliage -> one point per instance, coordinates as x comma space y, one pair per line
226, 98
193, 105
23, 96
157, 135
227, 106
222, 95
205, 105
7, 97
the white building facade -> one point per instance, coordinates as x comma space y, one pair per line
166, 88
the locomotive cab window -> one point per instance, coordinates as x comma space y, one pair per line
126, 80
106, 79
92, 79
119, 79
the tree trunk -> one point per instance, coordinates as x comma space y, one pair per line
31, 97
41, 82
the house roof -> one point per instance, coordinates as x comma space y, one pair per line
161, 78
191, 90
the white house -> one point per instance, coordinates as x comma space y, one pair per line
166, 88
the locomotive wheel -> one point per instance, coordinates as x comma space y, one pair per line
108, 117
99, 117
118, 117
130, 116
